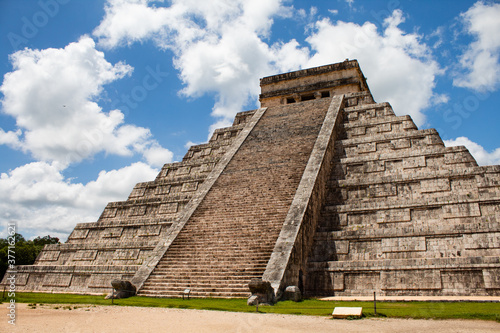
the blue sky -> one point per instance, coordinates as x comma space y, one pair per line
97, 95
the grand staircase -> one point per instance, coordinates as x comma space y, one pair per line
230, 237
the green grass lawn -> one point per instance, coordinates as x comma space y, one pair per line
416, 310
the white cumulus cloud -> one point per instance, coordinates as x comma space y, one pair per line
41, 201
52, 94
220, 46
481, 59
398, 65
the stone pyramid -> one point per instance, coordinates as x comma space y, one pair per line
320, 188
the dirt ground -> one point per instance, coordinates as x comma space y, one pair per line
102, 319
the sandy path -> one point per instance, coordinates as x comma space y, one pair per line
103, 319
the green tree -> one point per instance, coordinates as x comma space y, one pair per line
41, 241
25, 252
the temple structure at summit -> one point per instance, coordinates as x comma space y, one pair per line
320, 188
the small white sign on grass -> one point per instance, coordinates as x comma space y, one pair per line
344, 312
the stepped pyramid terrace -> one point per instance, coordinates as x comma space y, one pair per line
320, 188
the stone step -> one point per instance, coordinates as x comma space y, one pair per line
199, 284
203, 277
200, 277
193, 271
220, 243
204, 258
200, 289
175, 266
195, 294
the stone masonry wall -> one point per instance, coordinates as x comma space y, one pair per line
406, 215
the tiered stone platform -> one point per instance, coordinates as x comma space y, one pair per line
128, 231
405, 215
321, 188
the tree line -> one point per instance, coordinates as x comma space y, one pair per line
25, 251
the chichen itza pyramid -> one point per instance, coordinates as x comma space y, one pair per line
320, 188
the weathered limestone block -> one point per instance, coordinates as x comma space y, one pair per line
374, 166
409, 125
85, 255
183, 170
370, 113
401, 143
488, 180
369, 147
354, 193
138, 191
149, 230
188, 187
410, 279
126, 254
163, 189
341, 247
434, 139
337, 281
263, 291
382, 190
57, 280
122, 289
386, 127
102, 281
459, 157
168, 208
362, 283
113, 232
491, 278
137, 210
435, 185
482, 241
109, 212
351, 116
462, 281
164, 172
356, 131
49, 255
361, 219
403, 244
21, 279
292, 293
461, 210
364, 250
79, 234
393, 215
414, 162
342, 219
